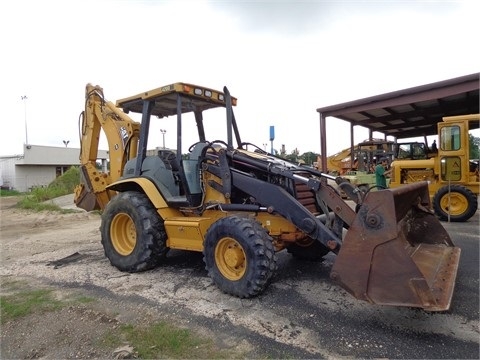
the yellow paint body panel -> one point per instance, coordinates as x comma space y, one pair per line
212, 195
151, 192
275, 224
186, 233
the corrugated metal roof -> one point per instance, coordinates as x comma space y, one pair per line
411, 112
406, 113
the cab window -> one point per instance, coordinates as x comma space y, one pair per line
450, 138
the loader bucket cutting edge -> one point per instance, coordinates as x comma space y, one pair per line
397, 253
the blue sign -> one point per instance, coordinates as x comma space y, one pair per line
272, 133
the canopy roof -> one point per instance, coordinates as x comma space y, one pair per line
411, 112
165, 100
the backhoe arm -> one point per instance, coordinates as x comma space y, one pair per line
122, 136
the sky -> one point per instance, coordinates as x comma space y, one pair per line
281, 59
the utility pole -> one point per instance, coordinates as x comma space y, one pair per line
163, 133
24, 99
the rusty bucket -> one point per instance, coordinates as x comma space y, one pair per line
397, 253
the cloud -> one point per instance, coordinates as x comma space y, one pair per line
286, 17
296, 18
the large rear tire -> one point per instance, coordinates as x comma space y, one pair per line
461, 202
239, 256
133, 234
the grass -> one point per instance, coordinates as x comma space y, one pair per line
23, 303
18, 299
66, 183
32, 204
63, 185
4, 192
166, 341
29, 203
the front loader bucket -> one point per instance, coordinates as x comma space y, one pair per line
397, 253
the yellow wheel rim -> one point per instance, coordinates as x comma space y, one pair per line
123, 234
458, 204
230, 259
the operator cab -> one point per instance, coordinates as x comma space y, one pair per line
177, 177
411, 151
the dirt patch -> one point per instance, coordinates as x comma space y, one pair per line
72, 332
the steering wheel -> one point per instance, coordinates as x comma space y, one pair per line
219, 142
190, 149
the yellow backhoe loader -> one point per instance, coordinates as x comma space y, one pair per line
240, 207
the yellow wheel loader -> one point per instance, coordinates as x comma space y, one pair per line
240, 206
453, 177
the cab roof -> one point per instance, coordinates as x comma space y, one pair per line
194, 98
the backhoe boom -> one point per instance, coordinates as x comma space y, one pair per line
122, 136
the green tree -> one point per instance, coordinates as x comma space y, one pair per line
309, 157
292, 157
474, 146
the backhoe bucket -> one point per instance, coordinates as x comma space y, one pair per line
397, 253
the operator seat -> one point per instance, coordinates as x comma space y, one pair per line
167, 156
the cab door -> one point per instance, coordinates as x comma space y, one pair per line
453, 152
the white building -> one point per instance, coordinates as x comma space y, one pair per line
38, 166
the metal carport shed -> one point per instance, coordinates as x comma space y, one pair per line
405, 113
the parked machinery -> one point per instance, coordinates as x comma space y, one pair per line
240, 208
452, 176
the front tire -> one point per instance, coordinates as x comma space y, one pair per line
239, 256
133, 235
461, 202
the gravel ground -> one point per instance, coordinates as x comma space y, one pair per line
301, 315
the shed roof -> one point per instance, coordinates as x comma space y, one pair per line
413, 111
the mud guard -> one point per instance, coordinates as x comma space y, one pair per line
397, 253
